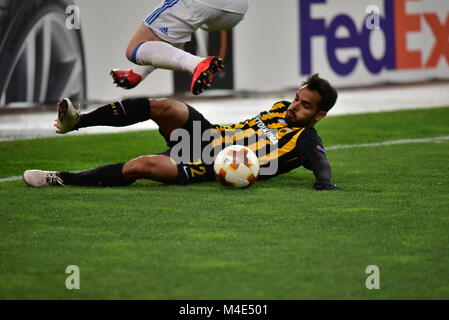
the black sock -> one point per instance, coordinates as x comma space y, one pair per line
118, 114
105, 176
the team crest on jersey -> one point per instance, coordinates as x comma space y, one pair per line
283, 131
320, 148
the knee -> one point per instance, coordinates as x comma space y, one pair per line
130, 49
162, 108
140, 167
129, 52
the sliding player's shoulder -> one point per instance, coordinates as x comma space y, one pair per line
313, 140
280, 105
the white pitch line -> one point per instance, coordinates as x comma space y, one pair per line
388, 143
15, 178
337, 147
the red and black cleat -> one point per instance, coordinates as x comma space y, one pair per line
204, 74
126, 79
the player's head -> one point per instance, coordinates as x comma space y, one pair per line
313, 100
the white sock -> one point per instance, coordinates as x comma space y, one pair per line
144, 71
163, 55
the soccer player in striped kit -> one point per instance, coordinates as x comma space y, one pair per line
284, 136
157, 42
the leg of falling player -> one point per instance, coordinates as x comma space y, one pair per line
157, 42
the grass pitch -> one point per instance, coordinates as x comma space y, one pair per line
278, 239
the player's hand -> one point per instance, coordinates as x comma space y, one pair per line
320, 185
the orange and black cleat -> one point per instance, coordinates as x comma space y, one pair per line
126, 79
204, 74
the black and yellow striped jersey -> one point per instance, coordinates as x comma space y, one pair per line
269, 136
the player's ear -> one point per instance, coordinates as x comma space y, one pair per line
320, 115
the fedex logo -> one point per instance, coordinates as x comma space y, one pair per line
396, 24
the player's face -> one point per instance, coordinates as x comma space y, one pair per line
303, 111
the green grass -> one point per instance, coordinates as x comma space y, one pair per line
276, 240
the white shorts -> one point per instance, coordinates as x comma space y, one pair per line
175, 20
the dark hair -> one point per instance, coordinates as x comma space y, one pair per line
327, 92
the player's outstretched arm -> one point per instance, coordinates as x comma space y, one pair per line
322, 185
318, 163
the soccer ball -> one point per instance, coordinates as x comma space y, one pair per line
236, 167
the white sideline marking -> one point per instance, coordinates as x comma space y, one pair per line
337, 147
15, 178
388, 143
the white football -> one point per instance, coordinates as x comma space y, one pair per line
236, 167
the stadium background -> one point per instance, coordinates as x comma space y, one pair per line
404, 65
273, 62
296, 39
259, 72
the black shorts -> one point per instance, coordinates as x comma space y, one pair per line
192, 169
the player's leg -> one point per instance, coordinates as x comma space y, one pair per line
157, 51
142, 35
166, 56
168, 115
117, 114
222, 20
158, 167
156, 43
130, 78
106, 176
148, 49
